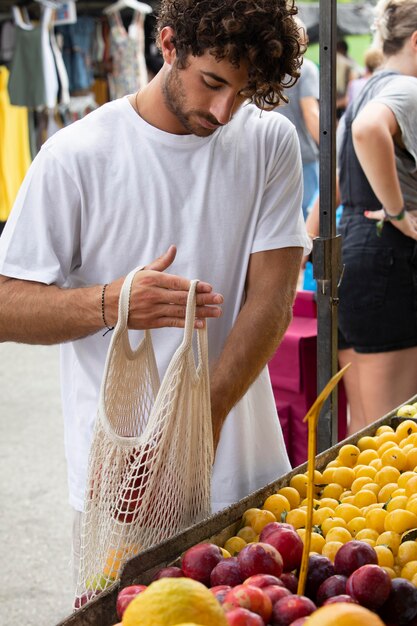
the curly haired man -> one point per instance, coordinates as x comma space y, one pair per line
195, 159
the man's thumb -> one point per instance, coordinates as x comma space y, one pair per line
164, 261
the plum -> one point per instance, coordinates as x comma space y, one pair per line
291, 608
290, 546
226, 572
332, 586
199, 561
401, 605
169, 572
370, 585
352, 555
259, 558
319, 568
290, 581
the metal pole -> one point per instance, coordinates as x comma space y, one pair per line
327, 247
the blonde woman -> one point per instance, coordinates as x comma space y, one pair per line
378, 188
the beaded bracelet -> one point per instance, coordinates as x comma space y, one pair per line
109, 328
394, 218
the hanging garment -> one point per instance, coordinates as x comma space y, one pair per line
77, 53
64, 94
14, 147
128, 53
33, 78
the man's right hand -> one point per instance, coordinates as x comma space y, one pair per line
158, 299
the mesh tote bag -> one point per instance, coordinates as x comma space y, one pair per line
152, 452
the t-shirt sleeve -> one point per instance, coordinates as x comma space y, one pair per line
400, 95
280, 222
309, 81
40, 241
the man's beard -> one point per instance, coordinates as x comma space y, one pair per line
175, 100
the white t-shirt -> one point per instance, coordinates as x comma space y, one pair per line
111, 192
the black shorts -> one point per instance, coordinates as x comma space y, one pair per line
378, 292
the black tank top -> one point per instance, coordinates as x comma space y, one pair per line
355, 190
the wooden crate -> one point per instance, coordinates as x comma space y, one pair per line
216, 529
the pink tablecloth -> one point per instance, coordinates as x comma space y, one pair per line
293, 371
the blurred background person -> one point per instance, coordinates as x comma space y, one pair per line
303, 111
346, 71
378, 190
373, 60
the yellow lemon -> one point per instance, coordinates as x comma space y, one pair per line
400, 520
359, 483
332, 503
247, 516
247, 534
411, 461
347, 511
330, 549
338, 533
344, 476
297, 518
390, 539
291, 494
300, 482
407, 551
343, 614
387, 475
332, 522
234, 545
366, 456
411, 486
348, 455
386, 492
390, 571
367, 533
332, 490
355, 525
375, 519
170, 601
226, 554
396, 502
366, 443
365, 470
384, 429
385, 556
364, 498
405, 477
261, 519
277, 504
395, 457
407, 410
321, 514
409, 570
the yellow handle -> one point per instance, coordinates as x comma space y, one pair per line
312, 418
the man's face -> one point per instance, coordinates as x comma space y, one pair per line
205, 95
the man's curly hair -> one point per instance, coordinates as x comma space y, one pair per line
262, 33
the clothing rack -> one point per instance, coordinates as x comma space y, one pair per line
84, 7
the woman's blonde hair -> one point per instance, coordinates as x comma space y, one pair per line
395, 21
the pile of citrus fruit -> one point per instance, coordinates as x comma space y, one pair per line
368, 493
362, 566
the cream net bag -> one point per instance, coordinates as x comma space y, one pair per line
152, 452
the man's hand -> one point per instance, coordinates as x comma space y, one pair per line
408, 225
158, 299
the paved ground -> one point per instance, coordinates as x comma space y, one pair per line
35, 519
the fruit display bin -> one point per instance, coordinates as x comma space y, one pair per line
215, 529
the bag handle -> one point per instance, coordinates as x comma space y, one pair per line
124, 305
124, 300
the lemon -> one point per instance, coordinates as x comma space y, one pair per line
261, 519
171, 601
407, 552
407, 410
343, 614
291, 494
234, 545
385, 556
277, 504
400, 520
247, 534
331, 548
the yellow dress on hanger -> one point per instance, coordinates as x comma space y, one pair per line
15, 155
